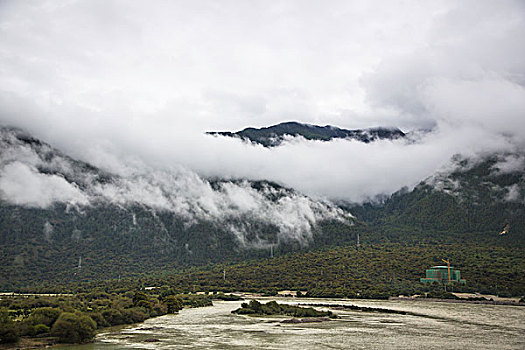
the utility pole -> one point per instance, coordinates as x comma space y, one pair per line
224, 275
271, 251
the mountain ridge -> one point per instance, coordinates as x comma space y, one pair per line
127, 226
275, 135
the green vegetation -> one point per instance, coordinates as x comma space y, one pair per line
74, 318
227, 297
255, 308
473, 198
8, 331
111, 246
74, 328
124, 250
372, 271
401, 237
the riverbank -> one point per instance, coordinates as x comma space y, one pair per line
29, 344
460, 301
38, 321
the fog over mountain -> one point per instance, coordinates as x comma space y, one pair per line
34, 175
132, 87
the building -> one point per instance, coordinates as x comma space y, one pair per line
439, 274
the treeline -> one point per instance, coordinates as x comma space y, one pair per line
370, 271
109, 242
75, 318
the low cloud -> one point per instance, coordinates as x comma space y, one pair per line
511, 163
21, 184
132, 88
34, 175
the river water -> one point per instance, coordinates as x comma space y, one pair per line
433, 325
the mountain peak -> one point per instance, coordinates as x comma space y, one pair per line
274, 135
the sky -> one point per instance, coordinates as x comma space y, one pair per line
131, 86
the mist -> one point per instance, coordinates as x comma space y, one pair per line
35, 175
132, 88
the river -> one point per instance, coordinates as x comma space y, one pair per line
432, 325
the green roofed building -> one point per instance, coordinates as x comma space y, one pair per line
440, 274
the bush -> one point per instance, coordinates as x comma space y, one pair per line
273, 308
134, 315
143, 303
74, 328
255, 305
44, 315
40, 329
229, 297
441, 294
99, 319
114, 317
158, 309
8, 333
173, 303
139, 297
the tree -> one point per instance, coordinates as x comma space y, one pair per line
74, 328
138, 297
174, 304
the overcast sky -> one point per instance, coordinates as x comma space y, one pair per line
124, 83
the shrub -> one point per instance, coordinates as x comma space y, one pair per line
143, 303
44, 315
40, 329
8, 333
158, 309
173, 303
99, 319
74, 328
96, 295
273, 308
255, 305
134, 315
138, 297
114, 317
229, 297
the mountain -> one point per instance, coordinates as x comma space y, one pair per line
275, 135
484, 196
63, 219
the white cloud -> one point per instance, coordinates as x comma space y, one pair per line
513, 193
20, 184
511, 163
130, 86
34, 175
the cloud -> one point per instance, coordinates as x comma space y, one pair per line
510, 163
468, 75
21, 184
132, 87
33, 174
513, 193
